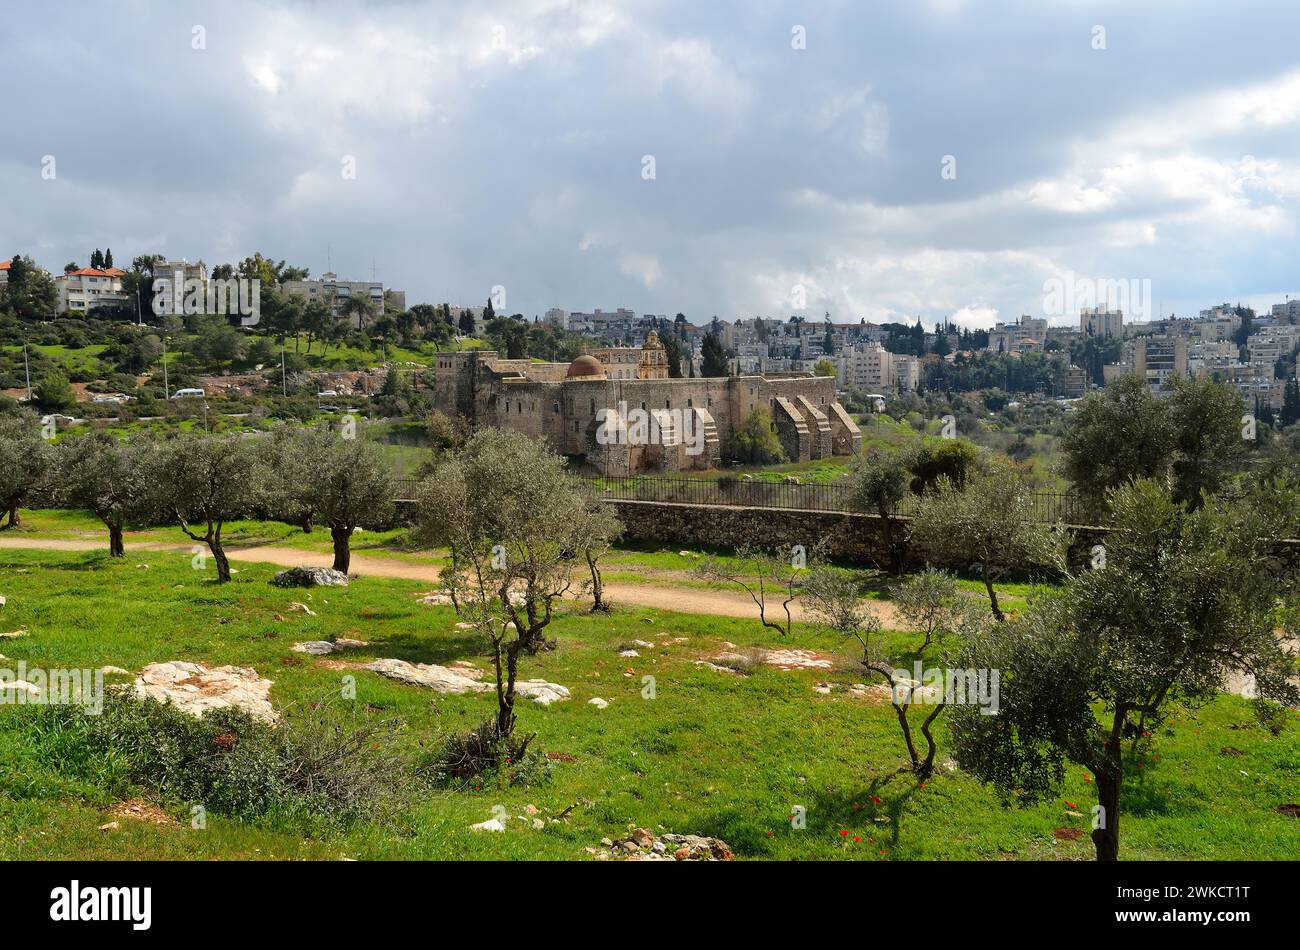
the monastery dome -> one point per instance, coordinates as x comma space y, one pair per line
585, 366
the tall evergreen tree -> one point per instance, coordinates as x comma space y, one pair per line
1291, 403
713, 362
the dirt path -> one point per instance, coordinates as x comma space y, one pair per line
689, 600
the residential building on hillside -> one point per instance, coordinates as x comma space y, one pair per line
1273, 343
1026, 335
1288, 312
1102, 323
872, 368
87, 288
336, 294
1156, 358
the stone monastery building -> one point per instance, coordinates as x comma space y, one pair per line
576, 406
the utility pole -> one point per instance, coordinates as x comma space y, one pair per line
167, 390
284, 386
28, 370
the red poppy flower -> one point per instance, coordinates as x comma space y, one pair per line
844, 833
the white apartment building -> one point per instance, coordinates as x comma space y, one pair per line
1101, 323
1027, 334
872, 368
1288, 312
1271, 344
85, 289
1223, 311
1156, 358
336, 293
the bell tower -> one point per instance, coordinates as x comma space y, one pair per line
654, 361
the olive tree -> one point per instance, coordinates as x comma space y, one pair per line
766, 575
990, 524
601, 525
1126, 433
1114, 436
515, 524
932, 603
1207, 420
1185, 600
329, 478
110, 478
879, 483
205, 481
26, 463
833, 600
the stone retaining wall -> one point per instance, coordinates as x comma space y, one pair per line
859, 537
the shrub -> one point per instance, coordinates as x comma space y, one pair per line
1269, 714
481, 752
227, 761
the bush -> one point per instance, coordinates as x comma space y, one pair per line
1269, 714
226, 761
481, 752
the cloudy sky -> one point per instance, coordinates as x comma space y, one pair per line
669, 156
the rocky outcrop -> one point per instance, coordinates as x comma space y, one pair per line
440, 679
462, 678
310, 577
195, 689
326, 647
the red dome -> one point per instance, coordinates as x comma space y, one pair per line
585, 366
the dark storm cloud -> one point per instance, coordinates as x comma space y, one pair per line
502, 143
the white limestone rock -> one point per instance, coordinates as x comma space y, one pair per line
195, 689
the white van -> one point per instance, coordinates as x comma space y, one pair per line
184, 393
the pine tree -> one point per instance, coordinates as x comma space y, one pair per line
713, 362
1291, 403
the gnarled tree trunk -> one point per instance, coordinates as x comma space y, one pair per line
342, 537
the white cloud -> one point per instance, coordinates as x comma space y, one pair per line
644, 268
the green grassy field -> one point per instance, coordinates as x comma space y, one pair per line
711, 754
630, 561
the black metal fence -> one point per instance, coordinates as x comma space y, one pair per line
739, 492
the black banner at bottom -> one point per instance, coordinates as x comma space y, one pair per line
334, 899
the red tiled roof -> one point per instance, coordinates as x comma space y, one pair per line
92, 272
114, 272
4, 265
